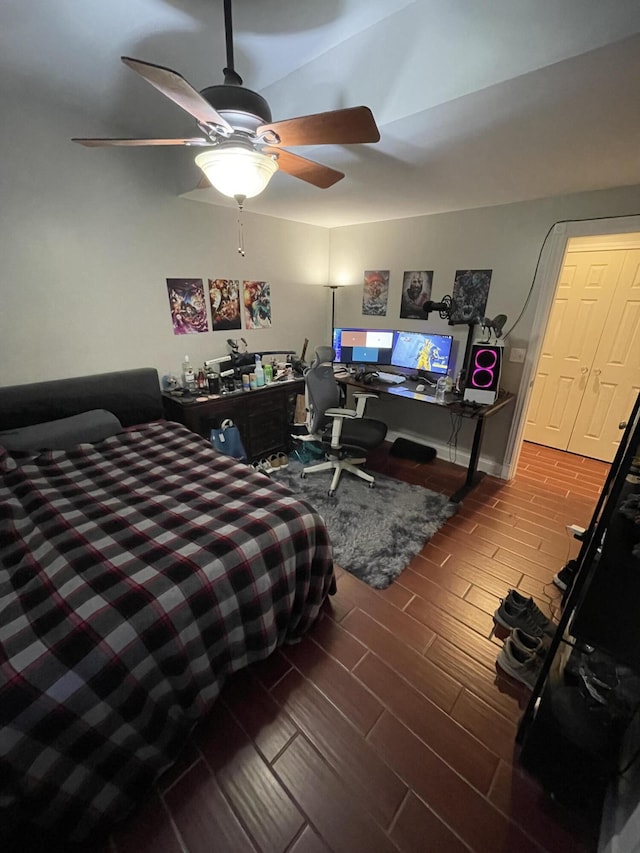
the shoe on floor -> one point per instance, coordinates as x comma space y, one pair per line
523, 666
529, 643
522, 601
518, 611
564, 578
512, 615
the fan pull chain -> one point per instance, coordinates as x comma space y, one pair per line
240, 199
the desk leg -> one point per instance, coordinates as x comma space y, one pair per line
473, 475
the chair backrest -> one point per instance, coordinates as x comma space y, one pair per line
322, 390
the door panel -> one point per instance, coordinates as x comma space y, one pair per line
581, 306
615, 375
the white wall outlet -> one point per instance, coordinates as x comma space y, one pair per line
517, 355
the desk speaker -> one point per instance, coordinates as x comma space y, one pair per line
483, 374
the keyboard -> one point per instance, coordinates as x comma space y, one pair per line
390, 378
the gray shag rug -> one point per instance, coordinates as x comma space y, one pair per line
374, 532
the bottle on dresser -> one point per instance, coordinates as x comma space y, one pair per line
259, 372
188, 375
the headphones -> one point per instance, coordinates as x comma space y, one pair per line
366, 378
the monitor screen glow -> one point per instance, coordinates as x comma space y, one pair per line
363, 346
422, 351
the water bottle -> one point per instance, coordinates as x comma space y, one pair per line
441, 389
188, 375
449, 382
259, 372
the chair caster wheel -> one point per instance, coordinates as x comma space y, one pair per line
371, 485
331, 492
303, 476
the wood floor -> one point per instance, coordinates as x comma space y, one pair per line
388, 728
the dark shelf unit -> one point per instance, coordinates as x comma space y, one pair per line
264, 416
570, 738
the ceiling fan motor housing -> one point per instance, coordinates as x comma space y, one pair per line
237, 99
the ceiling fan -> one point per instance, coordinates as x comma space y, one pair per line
243, 144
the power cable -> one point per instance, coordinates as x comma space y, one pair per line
535, 272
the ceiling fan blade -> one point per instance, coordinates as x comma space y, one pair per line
97, 143
299, 167
337, 127
175, 87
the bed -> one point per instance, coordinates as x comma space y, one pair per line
139, 568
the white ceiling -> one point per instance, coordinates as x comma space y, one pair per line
478, 103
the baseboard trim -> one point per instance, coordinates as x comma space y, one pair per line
489, 466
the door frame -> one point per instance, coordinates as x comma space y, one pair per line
545, 282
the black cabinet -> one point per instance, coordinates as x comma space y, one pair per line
263, 416
588, 692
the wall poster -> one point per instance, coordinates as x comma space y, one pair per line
375, 292
257, 304
187, 305
224, 297
470, 293
416, 290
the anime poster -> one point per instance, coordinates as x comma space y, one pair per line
416, 290
257, 304
375, 292
187, 305
470, 293
224, 296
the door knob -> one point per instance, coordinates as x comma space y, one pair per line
584, 370
597, 371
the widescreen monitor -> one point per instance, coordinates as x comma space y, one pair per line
422, 351
363, 346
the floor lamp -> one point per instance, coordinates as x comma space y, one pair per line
333, 288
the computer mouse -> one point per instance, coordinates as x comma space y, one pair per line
420, 387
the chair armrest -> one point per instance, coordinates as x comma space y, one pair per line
341, 413
361, 398
338, 418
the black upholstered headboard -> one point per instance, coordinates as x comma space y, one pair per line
132, 395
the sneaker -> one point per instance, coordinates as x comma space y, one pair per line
511, 616
521, 665
529, 643
519, 600
566, 575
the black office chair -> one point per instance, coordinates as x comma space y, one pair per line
341, 431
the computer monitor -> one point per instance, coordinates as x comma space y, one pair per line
422, 351
363, 346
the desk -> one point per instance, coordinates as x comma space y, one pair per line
263, 416
453, 404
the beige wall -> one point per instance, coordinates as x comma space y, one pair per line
506, 239
88, 237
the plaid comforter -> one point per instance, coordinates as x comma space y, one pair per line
135, 575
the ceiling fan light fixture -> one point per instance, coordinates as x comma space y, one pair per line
237, 171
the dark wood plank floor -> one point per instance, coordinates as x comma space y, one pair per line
388, 727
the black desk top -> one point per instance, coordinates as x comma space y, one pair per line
205, 397
452, 402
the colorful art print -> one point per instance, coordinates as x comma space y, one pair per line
224, 297
470, 294
375, 292
416, 290
257, 304
187, 305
